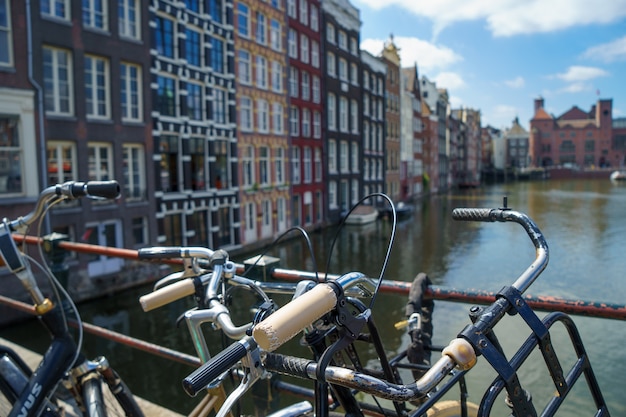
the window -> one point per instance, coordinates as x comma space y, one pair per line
104, 233
306, 123
315, 54
261, 28
332, 156
263, 116
293, 82
193, 5
198, 228
13, 161
261, 72
97, 87
343, 114
332, 194
166, 96
330, 64
243, 20
139, 227
318, 165
6, 42
353, 47
100, 161
214, 8
292, 43
366, 78
57, 76
332, 112
220, 110
59, 9
366, 104
304, 12
316, 89
193, 47
306, 86
343, 69
308, 175
164, 36
343, 157
95, 14
243, 67
304, 48
295, 165
279, 166
355, 191
245, 114
247, 165
276, 35
266, 218
277, 77
61, 161
295, 201
330, 33
294, 116
220, 174
315, 23
250, 218
130, 80
129, 19
194, 101
277, 116
134, 171
354, 116
354, 74
168, 150
217, 55
291, 9
317, 125
343, 40
354, 156
264, 165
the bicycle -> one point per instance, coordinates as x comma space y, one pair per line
36, 393
327, 308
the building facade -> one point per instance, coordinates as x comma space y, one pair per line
411, 143
391, 57
342, 73
306, 129
516, 140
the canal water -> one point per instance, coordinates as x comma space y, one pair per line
584, 223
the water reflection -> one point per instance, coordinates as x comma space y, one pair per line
584, 224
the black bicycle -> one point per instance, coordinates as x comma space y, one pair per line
34, 393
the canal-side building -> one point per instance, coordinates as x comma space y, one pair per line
516, 139
90, 66
619, 142
469, 148
267, 163
391, 57
306, 130
342, 69
194, 123
373, 82
574, 139
411, 142
432, 111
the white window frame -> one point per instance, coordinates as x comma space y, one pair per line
59, 148
266, 218
316, 87
278, 118
261, 72
276, 35
281, 213
56, 83
354, 116
246, 123
315, 54
332, 194
101, 264
261, 29
294, 121
343, 114
247, 165
306, 123
292, 43
265, 175
244, 67
317, 125
342, 40
127, 27
306, 86
317, 162
330, 33
294, 87
343, 69
279, 166
304, 12
134, 171
354, 74
250, 216
344, 167
307, 165
332, 156
131, 92
295, 165
354, 156
315, 20
220, 106
53, 9
277, 77
331, 69
100, 167
243, 14
94, 101
5, 28
304, 48
332, 112
91, 12
292, 10
263, 116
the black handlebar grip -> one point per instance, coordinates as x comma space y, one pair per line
474, 214
102, 189
159, 252
287, 365
220, 363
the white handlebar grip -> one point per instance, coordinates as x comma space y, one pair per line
167, 294
292, 318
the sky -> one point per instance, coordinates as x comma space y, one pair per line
498, 56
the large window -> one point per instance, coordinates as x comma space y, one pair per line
59, 9
243, 20
264, 165
217, 55
95, 14
214, 8
261, 72
304, 48
277, 77
194, 101
317, 125
332, 112
100, 161
220, 106
247, 165
315, 54
277, 118
221, 172
134, 172
130, 80
295, 165
330, 64
343, 157
244, 67
354, 116
343, 114
332, 156
61, 162
308, 175
6, 56
164, 36
58, 84
279, 166
318, 165
168, 149
276, 35
316, 89
263, 116
128, 18
306, 123
97, 87
11, 158
294, 121
292, 43
245, 114
193, 47
261, 28
166, 96
198, 160
293, 82
306, 86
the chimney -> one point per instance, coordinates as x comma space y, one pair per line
538, 103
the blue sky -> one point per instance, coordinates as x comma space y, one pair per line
498, 56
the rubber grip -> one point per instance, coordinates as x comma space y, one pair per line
103, 189
287, 365
167, 294
289, 320
217, 365
159, 252
474, 214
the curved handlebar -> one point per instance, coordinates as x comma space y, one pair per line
296, 315
217, 365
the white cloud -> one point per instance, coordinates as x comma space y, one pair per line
577, 73
511, 17
608, 52
517, 82
576, 87
455, 101
428, 56
449, 80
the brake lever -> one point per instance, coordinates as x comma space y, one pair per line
253, 371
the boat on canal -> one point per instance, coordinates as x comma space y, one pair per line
619, 175
362, 215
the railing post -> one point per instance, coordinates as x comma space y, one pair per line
56, 256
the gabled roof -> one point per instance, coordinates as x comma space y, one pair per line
574, 114
541, 114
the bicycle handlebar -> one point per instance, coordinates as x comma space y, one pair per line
167, 294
